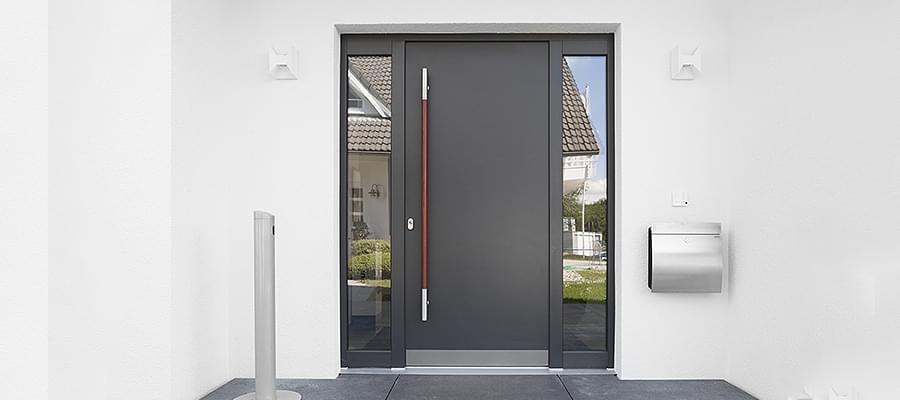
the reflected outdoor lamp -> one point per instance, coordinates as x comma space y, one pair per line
375, 191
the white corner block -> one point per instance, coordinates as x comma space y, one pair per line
283, 63
685, 65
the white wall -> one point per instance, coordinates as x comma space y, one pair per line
199, 260
23, 199
816, 190
373, 169
274, 147
109, 199
669, 138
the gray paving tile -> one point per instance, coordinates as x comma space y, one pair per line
351, 387
444, 387
584, 387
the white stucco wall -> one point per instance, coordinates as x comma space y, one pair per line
110, 258
815, 196
373, 169
200, 313
274, 146
23, 199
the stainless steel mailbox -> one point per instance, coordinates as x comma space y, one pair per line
686, 257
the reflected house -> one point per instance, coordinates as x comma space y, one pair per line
368, 162
369, 146
580, 151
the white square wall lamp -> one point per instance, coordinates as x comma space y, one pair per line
685, 65
283, 62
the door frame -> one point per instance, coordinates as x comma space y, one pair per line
394, 45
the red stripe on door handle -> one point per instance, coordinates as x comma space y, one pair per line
424, 184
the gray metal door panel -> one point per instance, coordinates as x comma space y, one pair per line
488, 195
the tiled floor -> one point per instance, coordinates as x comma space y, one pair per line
441, 387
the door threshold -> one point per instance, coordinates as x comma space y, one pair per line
476, 371
476, 358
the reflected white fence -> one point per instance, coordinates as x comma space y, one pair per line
585, 244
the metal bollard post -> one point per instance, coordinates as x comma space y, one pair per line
264, 304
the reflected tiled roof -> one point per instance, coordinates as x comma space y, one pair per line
578, 135
376, 72
368, 134
373, 134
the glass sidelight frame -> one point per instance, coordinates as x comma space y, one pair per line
560, 45
581, 46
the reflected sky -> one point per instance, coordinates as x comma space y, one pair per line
590, 71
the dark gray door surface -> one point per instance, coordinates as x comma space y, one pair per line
488, 193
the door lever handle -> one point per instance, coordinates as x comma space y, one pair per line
424, 189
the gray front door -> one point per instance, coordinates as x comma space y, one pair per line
487, 203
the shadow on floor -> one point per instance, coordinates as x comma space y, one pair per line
501, 387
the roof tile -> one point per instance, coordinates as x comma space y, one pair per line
372, 134
376, 71
368, 134
578, 134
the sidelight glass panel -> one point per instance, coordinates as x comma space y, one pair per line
368, 203
584, 203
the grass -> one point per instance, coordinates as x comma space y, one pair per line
584, 293
592, 275
579, 258
590, 291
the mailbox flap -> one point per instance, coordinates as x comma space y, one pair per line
686, 228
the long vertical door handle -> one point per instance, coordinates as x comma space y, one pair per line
424, 167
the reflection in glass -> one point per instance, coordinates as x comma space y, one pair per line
368, 181
584, 203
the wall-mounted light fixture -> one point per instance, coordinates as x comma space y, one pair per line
685, 65
283, 63
375, 191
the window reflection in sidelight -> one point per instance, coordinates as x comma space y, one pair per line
584, 203
368, 203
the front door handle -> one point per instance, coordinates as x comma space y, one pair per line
424, 189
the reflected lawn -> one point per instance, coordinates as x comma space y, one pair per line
590, 288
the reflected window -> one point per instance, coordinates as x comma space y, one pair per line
584, 203
368, 180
